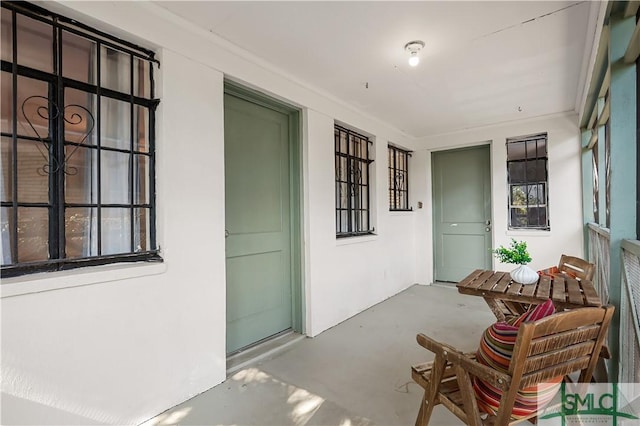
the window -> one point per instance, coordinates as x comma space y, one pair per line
353, 214
527, 175
77, 121
398, 179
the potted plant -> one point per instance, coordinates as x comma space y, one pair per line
517, 254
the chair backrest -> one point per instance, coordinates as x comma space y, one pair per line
579, 267
553, 347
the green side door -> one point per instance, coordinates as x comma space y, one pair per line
461, 212
257, 208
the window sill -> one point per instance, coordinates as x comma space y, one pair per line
528, 233
401, 212
48, 281
356, 239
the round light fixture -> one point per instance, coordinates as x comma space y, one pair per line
413, 47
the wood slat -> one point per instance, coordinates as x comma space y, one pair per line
514, 290
558, 290
571, 337
491, 282
574, 293
558, 356
544, 285
470, 278
529, 290
484, 275
503, 283
590, 294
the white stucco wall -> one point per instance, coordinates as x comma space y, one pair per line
120, 344
565, 190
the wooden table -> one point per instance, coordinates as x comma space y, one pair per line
500, 291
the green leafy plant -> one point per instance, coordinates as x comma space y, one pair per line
516, 253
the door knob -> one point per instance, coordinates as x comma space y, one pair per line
488, 228
226, 233
487, 222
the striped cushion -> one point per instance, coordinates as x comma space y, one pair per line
496, 350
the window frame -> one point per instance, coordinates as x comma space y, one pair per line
355, 224
396, 202
57, 83
526, 182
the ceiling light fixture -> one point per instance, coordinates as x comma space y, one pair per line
413, 47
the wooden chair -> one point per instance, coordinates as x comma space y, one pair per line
575, 266
554, 346
570, 265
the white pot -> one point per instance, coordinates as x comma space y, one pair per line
524, 275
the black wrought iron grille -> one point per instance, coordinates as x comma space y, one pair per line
528, 182
78, 164
353, 214
398, 178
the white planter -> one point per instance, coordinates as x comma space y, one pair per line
524, 275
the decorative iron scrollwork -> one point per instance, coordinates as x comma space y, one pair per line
72, 114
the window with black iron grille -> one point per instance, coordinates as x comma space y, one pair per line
78, 116
353, 213
528, 182
398, 178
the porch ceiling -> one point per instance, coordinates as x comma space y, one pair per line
484, 62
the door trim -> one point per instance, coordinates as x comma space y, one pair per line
295, 190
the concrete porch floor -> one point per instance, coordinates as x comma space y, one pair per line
356, 373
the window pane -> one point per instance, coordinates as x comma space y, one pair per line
141, 179
141, 230
343, 196
537, 217
81, 182
6, 231
7, 36
33, 172
536, 195
141, 129
519, 217
114, 177
33, 108
35, 43
141, 80
6, 105
6, 184
80, 117
517, 172
81, 232
78, 58
342, 169
516, 150
115, 70
116, 231
536, 148
33, 234
518, 195
115, 119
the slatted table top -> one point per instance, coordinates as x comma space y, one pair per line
565, 291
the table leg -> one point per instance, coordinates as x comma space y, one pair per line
495, 308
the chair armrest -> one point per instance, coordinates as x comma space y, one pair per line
494, 377
433, 345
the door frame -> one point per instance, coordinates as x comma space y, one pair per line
295, 190
431, 196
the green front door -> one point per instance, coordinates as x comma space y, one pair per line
258, 222
461, 212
